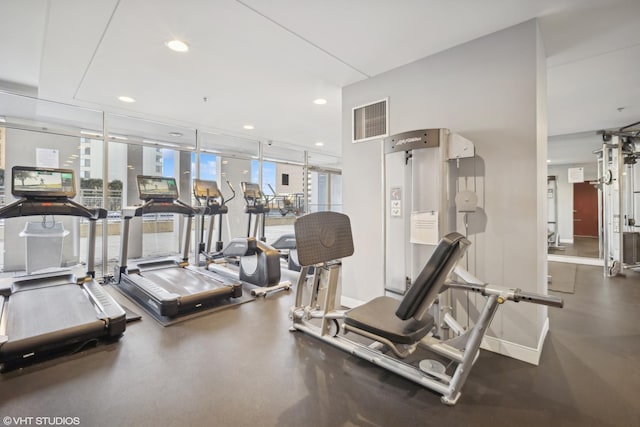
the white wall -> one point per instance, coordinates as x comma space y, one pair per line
296, 179
492, 91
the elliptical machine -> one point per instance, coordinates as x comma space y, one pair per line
258, 263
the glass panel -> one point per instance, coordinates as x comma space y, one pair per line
325, 161
133, 130
29, 148
208, 166
325, 183
233, 171
156, 234
2, 190
318, 191
50, 117
325, 191
336, 192
74, 137
231, 146
163, 154
284, 186
230, 160
281, 152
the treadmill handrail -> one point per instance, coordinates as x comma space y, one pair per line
34, 207
159, 206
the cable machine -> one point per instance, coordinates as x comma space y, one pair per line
619, 190
422, 201
553, 229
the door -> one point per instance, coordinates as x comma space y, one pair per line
585, 210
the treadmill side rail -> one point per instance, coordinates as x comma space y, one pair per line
111, 312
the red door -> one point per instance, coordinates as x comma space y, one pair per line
585, 210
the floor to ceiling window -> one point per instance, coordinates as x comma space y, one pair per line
106, 152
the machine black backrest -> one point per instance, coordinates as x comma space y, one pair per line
322, 237
426, 287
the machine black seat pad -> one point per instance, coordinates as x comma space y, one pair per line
378, 317
322, 237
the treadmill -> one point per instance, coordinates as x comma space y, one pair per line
43, 315
168, 286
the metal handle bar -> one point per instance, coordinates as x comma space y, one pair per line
534, 298
507, 294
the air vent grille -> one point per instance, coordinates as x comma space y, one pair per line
370, 121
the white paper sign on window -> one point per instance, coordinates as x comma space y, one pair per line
47, 158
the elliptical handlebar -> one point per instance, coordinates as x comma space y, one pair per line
233, 191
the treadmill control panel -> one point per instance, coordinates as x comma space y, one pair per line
32, 183
157, 188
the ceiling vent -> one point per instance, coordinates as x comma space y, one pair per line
370, 121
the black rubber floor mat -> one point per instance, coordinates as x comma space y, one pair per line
168, 321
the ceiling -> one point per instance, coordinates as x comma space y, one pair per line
264, 62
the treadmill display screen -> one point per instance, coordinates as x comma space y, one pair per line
157, 187
42, 182
203, 188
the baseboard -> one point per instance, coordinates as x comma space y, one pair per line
517, 351
350, 302
570, 241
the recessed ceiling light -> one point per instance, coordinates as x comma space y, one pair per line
320, 101
548, 161
248, 127
177, 46
319, 144
176, 134
126, 99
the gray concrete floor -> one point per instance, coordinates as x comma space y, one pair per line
586, 247
242, 367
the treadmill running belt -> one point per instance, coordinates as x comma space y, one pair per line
182, 281
47, 315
